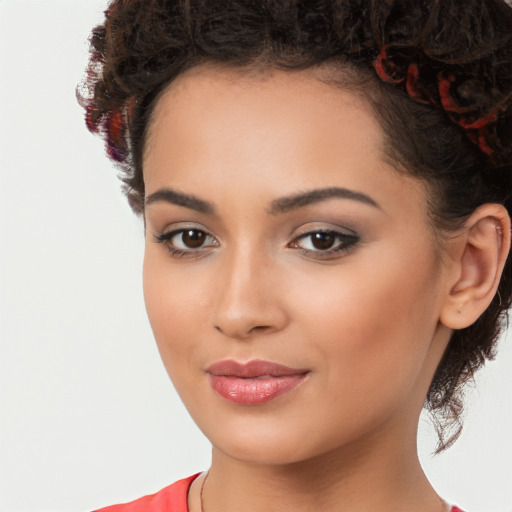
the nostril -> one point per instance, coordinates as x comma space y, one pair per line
242, 332
259, 328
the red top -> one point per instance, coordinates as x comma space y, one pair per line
170, 499
173, 498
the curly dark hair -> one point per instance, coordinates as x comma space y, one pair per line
438, 74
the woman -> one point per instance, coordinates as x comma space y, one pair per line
325, 189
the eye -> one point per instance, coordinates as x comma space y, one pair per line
181, 242
324, 243
189, 239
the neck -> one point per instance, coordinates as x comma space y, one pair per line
384, 476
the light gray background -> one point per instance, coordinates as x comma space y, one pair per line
87, 414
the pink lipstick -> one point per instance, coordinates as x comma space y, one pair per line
255, 382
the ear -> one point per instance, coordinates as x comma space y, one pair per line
478, 255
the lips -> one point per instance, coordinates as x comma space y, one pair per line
255, 382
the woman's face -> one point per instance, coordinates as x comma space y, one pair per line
291, 275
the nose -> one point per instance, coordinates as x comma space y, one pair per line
248, 301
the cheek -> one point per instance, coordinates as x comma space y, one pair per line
174, 306
372, 316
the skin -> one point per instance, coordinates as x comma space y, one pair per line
369, 323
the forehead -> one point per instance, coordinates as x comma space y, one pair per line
298, 94
268, 134
264, 109
224, 100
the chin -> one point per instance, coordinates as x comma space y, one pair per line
263, 443
270, 453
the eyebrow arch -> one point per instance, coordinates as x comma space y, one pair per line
186, 200
286, 204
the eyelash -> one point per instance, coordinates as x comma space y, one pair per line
345, 242
166, 239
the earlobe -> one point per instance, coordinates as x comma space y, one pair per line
479, 254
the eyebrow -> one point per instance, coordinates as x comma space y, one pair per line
281, 205
286, 204
186, 200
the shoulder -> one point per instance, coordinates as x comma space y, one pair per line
172, 498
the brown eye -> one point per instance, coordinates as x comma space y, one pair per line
325, 244
193, 238
187, 241
323, 241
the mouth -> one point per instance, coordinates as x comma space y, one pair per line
255, 382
